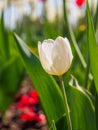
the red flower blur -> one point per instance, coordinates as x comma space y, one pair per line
80, 2
28, 106
30, 116
25, 100
33, 94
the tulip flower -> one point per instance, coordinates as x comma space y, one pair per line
80, 2
55, 55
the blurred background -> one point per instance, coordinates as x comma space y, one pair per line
16, 10
33, 21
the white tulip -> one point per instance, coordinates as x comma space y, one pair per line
55, 56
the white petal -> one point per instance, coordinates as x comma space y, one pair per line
44, 61
47, 47
70, 55
60, 56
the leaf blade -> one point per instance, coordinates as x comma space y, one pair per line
93, 47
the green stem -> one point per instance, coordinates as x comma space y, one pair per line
65, 103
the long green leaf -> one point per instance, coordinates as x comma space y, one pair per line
93, 47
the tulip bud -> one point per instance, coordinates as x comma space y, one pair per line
55, 56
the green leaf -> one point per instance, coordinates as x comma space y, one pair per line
49, 92
81, 106
82, 110
60, 124
74, 82
93, 47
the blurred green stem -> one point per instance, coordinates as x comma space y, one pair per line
73, 40
87, 74
65, 103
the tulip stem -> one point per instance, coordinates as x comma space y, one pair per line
65, 103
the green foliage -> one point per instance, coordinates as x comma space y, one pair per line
52, 30
11, 69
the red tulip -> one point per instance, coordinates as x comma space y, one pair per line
80, 2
